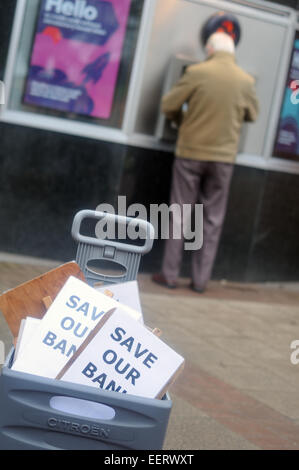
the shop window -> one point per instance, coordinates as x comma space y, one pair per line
286, 144
74, 59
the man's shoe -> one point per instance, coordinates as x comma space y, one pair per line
199, 290
160, 279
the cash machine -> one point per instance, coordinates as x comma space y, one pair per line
264, 39
221, 21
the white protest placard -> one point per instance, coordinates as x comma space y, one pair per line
126, 293
74, 313
29, 326
122, 355
19, 340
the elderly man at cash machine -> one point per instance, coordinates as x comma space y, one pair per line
220, 96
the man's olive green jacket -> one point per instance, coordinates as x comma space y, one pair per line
220, 97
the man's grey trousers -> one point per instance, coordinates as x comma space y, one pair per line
207, 183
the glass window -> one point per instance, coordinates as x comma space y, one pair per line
287, 137
75, 58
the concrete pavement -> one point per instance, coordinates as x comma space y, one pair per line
239, 389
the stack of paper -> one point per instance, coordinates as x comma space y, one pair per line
97, 338
74, 313
126, 293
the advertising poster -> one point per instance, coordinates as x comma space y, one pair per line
287, 139
76, 55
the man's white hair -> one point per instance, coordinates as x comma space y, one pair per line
220, 42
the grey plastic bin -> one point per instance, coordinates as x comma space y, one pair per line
27, 419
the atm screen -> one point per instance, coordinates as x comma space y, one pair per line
287, 138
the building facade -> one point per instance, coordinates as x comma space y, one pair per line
58, 158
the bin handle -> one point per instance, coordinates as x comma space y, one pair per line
82, 408
147, 227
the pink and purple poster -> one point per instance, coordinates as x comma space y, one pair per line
76, 55
287, 138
